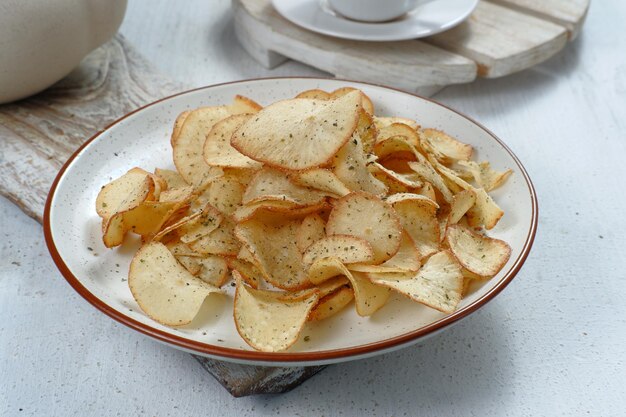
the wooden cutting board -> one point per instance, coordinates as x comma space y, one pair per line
37, 136
500, 38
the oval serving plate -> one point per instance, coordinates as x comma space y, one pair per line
141, 138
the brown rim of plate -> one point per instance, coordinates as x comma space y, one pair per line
295, 357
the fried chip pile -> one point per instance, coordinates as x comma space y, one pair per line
306, 204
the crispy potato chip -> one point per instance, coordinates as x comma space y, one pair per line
485, 176
178, 124
485, 211
171, 178
331, 285
299, 133
243, 175
481, 255
428, 190
367, 131
312, 229
200, 226
243, 104
188, 145
321, 179
461, 203
315, 94
444, 147
217, 149
213, 270
271, 184
191, 263
179, 249
407, 259
248, 271
438, 284
124, 193
368, 217
382, 122
395, 147
348, 249
221, 241
271, 321
332, 304
163, 288
225, 194
368, 297
182, 195
366, 102
350, 166
176, 225
425, 170
273, 246
418, 216
400, 130
396, 181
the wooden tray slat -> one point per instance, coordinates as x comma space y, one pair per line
501, 37
503, 41
568, 13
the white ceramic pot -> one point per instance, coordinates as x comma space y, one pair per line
42, 41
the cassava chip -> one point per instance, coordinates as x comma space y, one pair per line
188, 145
485, 176
225, 194
299, 133
348, 249
248, 271
220, 241
485, 212
461, 203
368, 217
438, 284
368, 297
163, 288
315, 94
213, 270
400, 130
124, 193
171, 178
176, 225
274, 248
418, 216
321, 179
482, 255
191, 263
366, 102
202, 225
425, 170
271, 321
405, 260
350, 166
218, 150
445, 147
312, 229
271, 184
331, 304
382, 122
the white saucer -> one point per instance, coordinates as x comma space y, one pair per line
431, 17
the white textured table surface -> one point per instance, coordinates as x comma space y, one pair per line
553, 343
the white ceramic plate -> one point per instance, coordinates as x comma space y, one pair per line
432, 17
141, 138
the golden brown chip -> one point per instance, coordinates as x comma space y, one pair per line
312, 229
299, 133
418, 216
217, 149
382, 122
350, 166
485, 176
348, 249
332, 304
444, 147
438, 284
124, 193
163, 288
271, 321
248, 271
481, 255
273, 246
315, 94
405, 260
271, 184
321, 179
366, 102
368, 217
171, 178
461, 203
221, 241
426, 172
485, 212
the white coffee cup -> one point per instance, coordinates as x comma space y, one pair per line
372, 10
